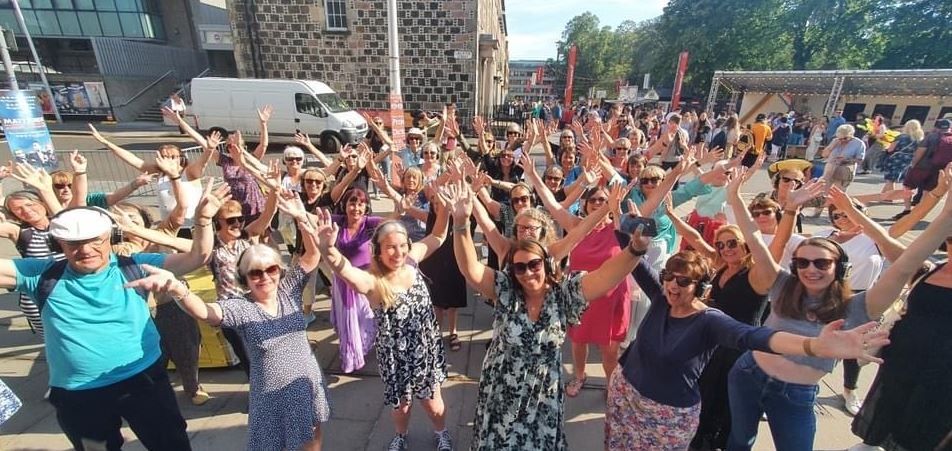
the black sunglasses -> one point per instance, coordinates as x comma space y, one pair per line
822, 264
730, 244
62, 185
788, 180
838, 216
314, 181
532, 265
519, 200
553, 178
294, 159
649, 180
756, 213
683, 281
259, 273
234, 220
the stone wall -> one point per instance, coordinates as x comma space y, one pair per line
438, 40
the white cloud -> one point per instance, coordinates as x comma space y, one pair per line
533, 45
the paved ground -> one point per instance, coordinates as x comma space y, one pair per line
360, 421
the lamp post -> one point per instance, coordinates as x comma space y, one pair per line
39, 64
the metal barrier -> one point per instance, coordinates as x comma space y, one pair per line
107, 173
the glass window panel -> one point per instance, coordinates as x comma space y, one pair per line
90, 24
42, 3
147, 30
70, 23
63, 4
157, 26
84, 4
110, 24
105, 5
131, 27
31, 24
8, 20
126, 5
49, 26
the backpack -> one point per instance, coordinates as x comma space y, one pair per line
52, 275
942, 155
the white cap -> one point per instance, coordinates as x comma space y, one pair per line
81, 223
293, 152
415, 131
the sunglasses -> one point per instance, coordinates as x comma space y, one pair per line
352, 157
649, 180
317, 182
550, 178
414, 139
789, 180
512, 133
756, 213
519, 200
566, 137
292, 159
234, 220
431, 153
259, 273
838, 216
489, 141
506, 155
683, 281
729, 244
822, 264
597, 200
533, 265
62, 185
621, 149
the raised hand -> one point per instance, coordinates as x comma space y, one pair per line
364, 156
290, 203
855, 343
302, 139
945, 177
168, 165
479, 126
213, 140
459, 199
6, 170
735, 180
810, 190
211, 200
273, 176
77, 161
525, 161
143, 179
633, 209
591, 173
264, 114
37, 178
617, 192
170, 114
326, 230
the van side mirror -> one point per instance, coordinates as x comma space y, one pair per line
321, 112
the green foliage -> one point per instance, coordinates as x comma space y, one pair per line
758, 35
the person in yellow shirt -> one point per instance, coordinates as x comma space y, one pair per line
762, 134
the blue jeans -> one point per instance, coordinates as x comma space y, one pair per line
789, 408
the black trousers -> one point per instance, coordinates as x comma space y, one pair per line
146, 401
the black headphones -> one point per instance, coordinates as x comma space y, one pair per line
843, 265
547, 262
115, 235
702, 285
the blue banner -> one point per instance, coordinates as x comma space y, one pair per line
26, 133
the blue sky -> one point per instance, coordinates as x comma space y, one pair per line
535, 25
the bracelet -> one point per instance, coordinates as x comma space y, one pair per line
793, 212
79, 173
172, 178
180, 299
203, 224
808, 347
460, 228
635, 252
933, 194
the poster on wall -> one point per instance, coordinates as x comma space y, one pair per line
75, 98
26, 133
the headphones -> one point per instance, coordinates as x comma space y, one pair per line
547, 262
843, 265
702, 285
115, 234
375, 238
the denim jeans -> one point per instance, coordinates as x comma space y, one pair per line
789, 408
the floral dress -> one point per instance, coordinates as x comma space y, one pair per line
410, 352
520, 401
288, 397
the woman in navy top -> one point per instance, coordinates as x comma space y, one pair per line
654, 399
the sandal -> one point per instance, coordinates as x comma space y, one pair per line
455, 344
574, 386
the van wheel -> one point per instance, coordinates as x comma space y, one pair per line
330, 143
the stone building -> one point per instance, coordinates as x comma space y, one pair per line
523, 84
449, 49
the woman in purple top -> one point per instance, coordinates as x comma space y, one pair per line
351, 315
653, 397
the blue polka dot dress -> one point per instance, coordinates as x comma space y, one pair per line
288, 395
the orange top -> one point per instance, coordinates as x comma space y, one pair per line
762, 134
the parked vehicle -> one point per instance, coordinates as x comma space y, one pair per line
299, 105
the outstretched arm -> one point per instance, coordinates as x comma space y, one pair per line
926, 204
264, 115
118, 195
196, 168
201, 250
478, 275
80, 179
765, 269
124, 155
327, 231
162, 281
184, 125
889, 246
596, 283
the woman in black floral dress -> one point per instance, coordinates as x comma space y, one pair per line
409, 349
519, 405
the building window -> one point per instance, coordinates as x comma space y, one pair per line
336, 13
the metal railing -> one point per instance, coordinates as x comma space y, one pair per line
147, 88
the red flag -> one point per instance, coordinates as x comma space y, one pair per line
678, 79
570, 75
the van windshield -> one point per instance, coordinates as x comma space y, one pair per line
333, 102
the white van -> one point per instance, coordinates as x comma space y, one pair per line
309, 106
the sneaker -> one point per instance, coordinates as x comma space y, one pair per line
399, 443
200, 398
443, 441
853, 404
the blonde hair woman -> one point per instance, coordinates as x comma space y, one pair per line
899, 157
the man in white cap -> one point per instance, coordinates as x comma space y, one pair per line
101, 344
410, 155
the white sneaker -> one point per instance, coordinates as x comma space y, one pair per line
865, 447
853, 404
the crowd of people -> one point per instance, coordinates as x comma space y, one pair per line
704, 323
